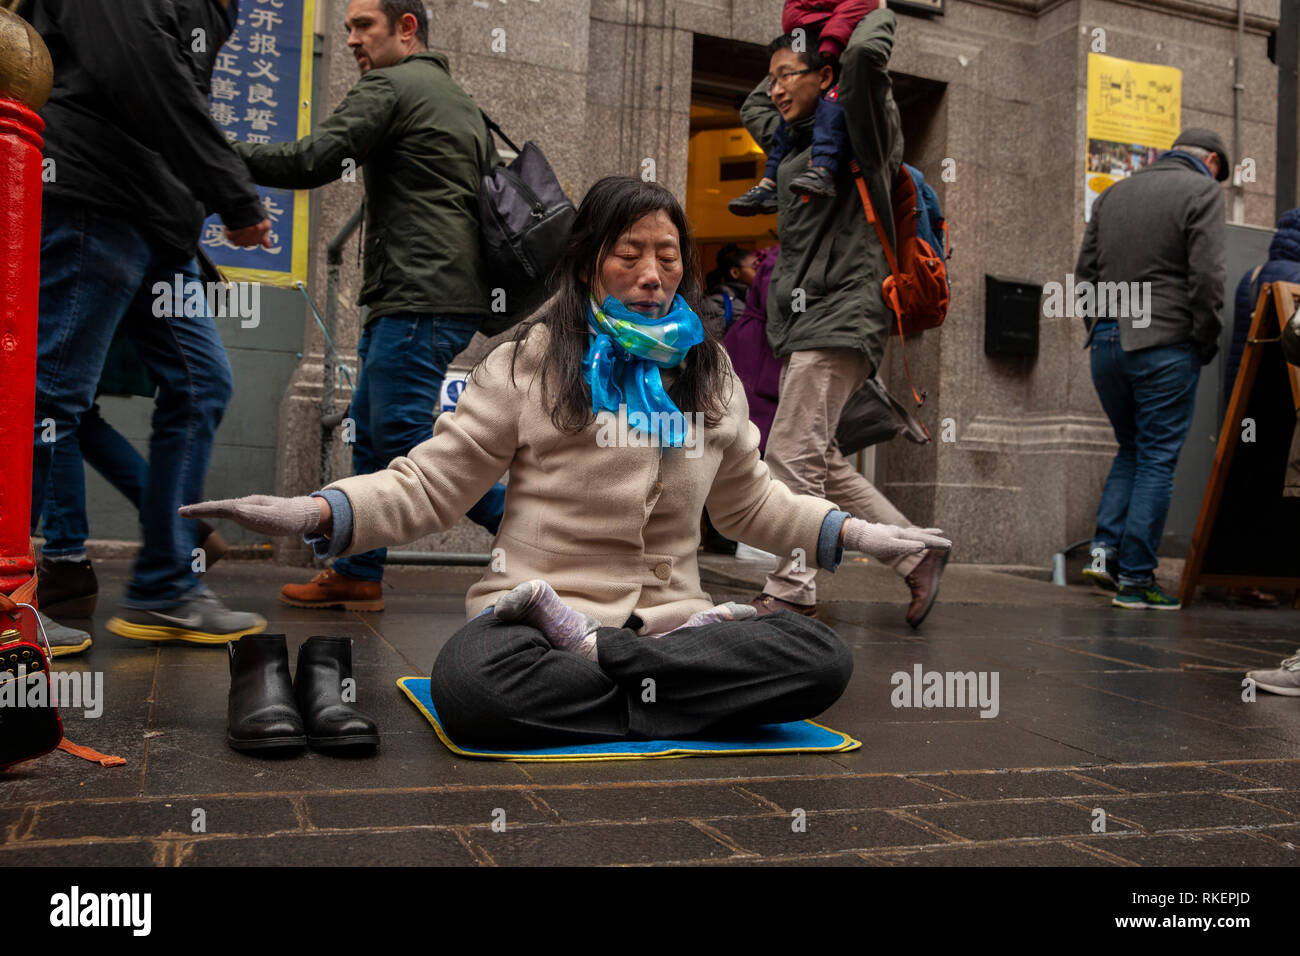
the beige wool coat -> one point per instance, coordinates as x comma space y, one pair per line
613, 529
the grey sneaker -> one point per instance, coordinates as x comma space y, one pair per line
1285, 680
814, 181
759, 200
200, 619
64, 640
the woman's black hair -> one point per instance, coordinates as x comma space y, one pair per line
608, 210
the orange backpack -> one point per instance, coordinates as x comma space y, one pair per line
916, 290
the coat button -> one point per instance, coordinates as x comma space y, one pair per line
663, 570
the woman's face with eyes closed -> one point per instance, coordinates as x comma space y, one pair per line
643, 267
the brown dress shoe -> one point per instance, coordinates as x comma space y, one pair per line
331, 589
766, 604
924, 582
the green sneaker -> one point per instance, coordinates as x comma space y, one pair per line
1136, 598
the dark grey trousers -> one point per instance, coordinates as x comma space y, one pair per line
503, 685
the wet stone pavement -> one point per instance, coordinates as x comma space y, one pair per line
1138, 715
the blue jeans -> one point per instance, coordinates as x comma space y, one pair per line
404, 359
1149, 397
102, 446
98, 272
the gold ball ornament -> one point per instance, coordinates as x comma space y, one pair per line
26, 73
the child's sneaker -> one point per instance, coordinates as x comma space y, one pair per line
1285, 680
760, 200
814, 181
1149, 596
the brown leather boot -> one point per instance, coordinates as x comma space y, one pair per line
331, 589
766, 604
924, 582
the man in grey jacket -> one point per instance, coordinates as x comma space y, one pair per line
1150, 285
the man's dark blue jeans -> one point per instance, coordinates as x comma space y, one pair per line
1149, 396
95, 443
404, 359
99, 271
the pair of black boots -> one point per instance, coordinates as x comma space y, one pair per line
267, 712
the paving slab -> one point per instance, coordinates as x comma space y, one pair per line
585, 845
1204, 849
1139, 714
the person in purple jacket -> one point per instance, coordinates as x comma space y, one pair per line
758, 368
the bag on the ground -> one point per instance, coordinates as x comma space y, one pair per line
29, 719
871, 416
524, 219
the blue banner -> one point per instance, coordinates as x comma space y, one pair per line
261, 88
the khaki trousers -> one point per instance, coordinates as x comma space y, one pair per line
815, 386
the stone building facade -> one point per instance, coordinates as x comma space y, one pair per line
996, 86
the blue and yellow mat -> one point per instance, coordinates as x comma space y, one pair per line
800, 736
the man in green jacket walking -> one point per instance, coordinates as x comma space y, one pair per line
423, 148
826, 317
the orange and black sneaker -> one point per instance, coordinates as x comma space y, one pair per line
331, 589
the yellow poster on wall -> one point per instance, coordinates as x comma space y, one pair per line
1134, 114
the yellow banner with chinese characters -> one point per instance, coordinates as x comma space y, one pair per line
1134, 114
261, 93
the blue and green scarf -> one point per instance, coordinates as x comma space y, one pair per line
626, 352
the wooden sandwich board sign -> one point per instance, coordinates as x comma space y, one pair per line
1248, 531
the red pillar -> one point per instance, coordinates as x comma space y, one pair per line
24, 84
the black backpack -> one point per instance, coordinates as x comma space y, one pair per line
524, 220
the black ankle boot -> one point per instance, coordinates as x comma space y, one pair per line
66, 589
324, 663
262, 714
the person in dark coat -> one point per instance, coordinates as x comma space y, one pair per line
727, 288
1152, 261
136, 163
1283, 265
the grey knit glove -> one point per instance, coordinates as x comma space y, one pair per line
265, 514
886, 541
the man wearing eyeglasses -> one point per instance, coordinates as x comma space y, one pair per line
825, 315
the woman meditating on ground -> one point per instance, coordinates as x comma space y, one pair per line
618, 419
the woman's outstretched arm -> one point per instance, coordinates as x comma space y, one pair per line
424, 492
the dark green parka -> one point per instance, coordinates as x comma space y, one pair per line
423, 148
831, 262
